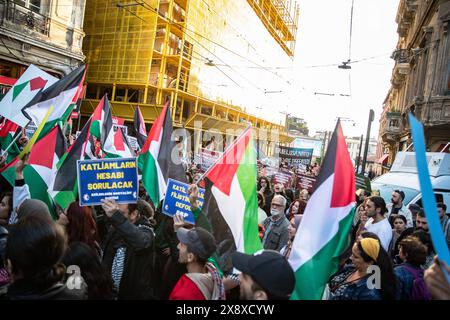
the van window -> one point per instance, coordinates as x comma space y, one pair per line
386, 192
440, 197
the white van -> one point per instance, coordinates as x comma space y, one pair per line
403, 176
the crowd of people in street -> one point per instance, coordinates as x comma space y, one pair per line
134, 251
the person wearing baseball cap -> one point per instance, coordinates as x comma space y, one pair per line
265, 275
203, 281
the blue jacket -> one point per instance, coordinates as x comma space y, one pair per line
357, 290
405, 280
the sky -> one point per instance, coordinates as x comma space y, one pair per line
323, 39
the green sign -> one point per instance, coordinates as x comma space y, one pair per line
362, 182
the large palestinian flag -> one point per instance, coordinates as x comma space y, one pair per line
324, 232
30, 83
231, 203
61, 95
157, 161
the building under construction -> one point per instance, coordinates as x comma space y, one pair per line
142, 53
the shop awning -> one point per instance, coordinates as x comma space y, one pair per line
383, 159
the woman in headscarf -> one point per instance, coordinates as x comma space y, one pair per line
352, 282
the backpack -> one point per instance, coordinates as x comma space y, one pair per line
419, 290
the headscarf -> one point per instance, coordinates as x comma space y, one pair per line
371, 247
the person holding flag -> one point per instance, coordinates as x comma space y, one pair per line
324, 232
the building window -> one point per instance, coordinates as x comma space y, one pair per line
33, 5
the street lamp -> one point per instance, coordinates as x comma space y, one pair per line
345, 65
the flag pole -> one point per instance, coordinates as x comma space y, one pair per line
36, 134
15, 139
221, 157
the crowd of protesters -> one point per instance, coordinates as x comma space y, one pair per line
134, 251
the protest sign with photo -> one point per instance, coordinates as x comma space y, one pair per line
107, 178
284, 177
305, 182
177, 200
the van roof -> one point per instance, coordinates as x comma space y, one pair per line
402, 179
438, 163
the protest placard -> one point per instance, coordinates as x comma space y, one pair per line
107, 178
294, 156
206, 158
305, 182
177, 200
362, 182
284, 177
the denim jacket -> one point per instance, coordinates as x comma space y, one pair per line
405, 280
357, 290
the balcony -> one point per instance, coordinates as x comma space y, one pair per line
405, 16
401, 56
391, 127
25, 17
401, 68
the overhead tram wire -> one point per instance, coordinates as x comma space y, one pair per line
225, 64
201, 45
249, 44
155, 11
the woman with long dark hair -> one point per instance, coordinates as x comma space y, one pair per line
297, 207
265, 188
352, 282
98, 280
294, 223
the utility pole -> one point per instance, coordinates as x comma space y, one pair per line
371, 117
358, 159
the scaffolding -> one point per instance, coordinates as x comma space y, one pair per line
280, 17
138, 53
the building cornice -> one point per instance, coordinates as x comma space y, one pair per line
41, 44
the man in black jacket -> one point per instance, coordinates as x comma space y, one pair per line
128, 252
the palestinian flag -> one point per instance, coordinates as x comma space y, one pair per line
102, 122
117, 146
8, 172
156, 161
8, 131
139, 127
114, 143
64, 188
30, 83
324, 232
40, 172
62, 95
231, 203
